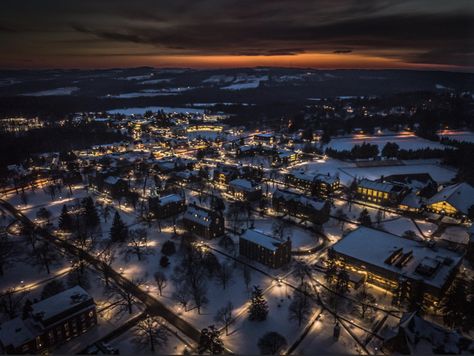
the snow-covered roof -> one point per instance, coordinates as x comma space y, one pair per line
285, 153
460, 196
262, 239
244, 184
111, 180
425, 337
432, 265
264, 135
15, 332
288, 195
198, 214
411, 200
172, 198
60, 302
378, 186
312, 176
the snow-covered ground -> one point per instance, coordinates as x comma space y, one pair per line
406, 142
467, 136
53, 92
441, 174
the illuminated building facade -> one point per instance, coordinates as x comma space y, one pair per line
393, 262
320, 185
384, 194
454, 200
50, 322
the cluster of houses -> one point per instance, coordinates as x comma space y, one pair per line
417, 192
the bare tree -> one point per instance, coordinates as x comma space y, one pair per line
45, 256
365, 300
78, 276
151, 332
280, 228
301, 271
161, 281
11, 302
138, 243
107, 257
122, 299
182, 295
300, 307
224, 275
224, 316
8, 252
247, 274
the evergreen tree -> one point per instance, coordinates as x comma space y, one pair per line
390, 149
52, 288
210, 341
259, 307
65, 221
118, 231
168, 248
454, 304
164, 261
90, 215
364, 218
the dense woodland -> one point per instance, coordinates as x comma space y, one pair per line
54, 138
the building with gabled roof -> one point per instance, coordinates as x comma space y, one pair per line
454, 200
245, 189
320, 185
301, 206
415, 335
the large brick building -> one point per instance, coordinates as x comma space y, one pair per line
264, 248
164, 207
392, 262
51, 322
203, 222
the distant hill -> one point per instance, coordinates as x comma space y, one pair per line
105, 89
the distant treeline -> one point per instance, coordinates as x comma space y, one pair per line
54, 138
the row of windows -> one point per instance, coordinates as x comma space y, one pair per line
371, 192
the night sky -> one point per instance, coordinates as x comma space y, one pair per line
422, 34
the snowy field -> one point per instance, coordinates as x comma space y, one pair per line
466, 136
53, 92
441, 174
166, 109
406, 142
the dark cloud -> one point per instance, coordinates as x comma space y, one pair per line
415, 31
